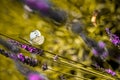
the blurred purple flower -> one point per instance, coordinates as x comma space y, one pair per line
94, 52
100, 50
19, 60
28, 73
107, 30
45, 8
113, 38
40, 5
8, 54
110, 72
101, 44
32, 49
23, 46
9, 46
24, 59
35, 76
21, 57
28, 60
29, 48
31, 75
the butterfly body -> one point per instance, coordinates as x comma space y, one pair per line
36, 37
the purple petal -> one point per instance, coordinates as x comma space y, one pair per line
21, 57
94, 52
110, 72
23, 46
41, 5
35, 76
101, 44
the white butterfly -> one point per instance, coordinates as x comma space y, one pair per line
36, 37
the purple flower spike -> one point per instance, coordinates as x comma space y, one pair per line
28, 73
107, 30
24, 59
45, 8
94, 52
101, 44
100, 50
27, 60
110, 72
23, 46
113, 38
35, 76
40, 5
105, 54
21, 57
27, 47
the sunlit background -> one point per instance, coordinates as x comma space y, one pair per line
18, 23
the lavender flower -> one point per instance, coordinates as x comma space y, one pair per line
9, 46
98, 49
32, 49
44, 7
101, 44
35, 76
29, 48
110, 72
20, 57
27, 60
8, 54
113, 38
94, 52
28, 73
24, 59
40, 5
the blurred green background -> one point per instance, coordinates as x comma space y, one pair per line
16, 23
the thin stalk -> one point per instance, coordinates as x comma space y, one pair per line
66, 62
